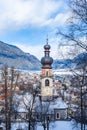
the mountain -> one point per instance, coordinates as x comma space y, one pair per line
80, 60
13, 56
77, 62
62, 64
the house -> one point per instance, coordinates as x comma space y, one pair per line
60, 109
60, 114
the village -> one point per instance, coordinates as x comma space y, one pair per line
39, 97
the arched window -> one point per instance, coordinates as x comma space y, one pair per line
46, 82
46, 73
57, 115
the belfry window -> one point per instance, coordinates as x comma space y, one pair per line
46, 82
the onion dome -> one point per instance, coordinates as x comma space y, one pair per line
47, 46
47, 61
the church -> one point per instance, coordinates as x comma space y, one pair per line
47, 87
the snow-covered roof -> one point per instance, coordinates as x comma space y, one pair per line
58, 104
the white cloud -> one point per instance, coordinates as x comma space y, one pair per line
38, 50
62, 51
59, 20
17, 14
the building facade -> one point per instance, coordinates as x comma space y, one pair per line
46, 76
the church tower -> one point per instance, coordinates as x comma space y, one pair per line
46, 76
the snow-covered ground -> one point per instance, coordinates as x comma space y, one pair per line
58, 125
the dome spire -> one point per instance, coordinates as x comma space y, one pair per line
47, 46
47, 40
46, 60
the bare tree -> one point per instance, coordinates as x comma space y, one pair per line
10, 78
30, 110
36, 111
25, 104
76, 35
44, 113
76, 31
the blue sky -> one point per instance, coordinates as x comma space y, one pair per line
26, 24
